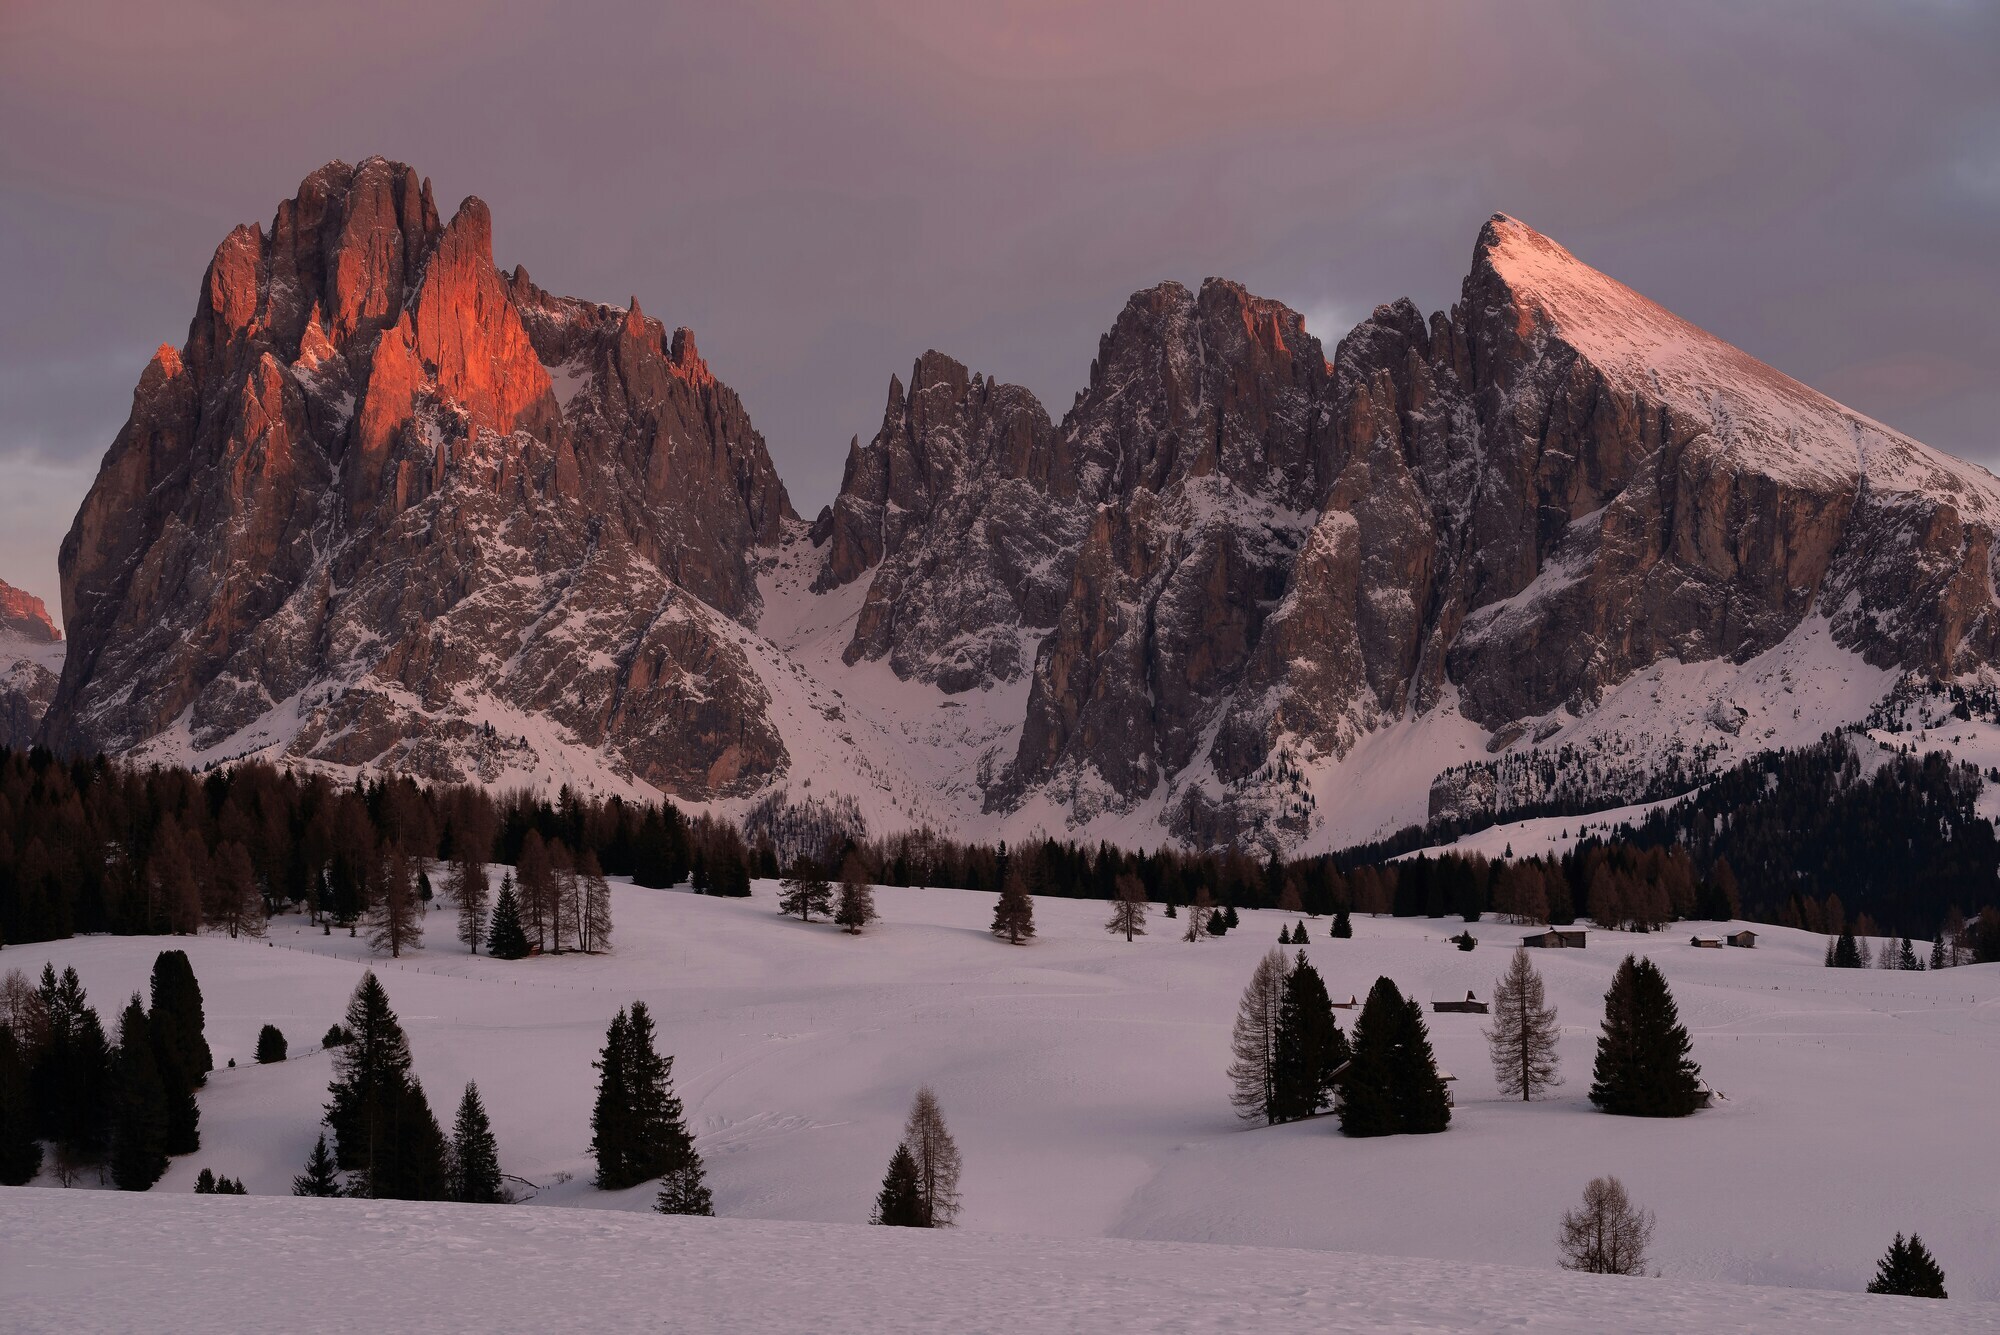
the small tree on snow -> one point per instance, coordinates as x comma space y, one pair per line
900, 1204
1200, 909
395, 922
1014, 911
1254, 1042
1523, 1036
1128, 912
594, 921
322, 1177
1607, 1234
467, 889
856, 908
936, 1156
1908, 1269
805, 891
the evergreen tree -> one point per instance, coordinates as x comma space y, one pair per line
857, 899
1342, 928
270, 1045
468, 889
1014, 911
204, 1182
638, 1131
1423, 1105
1643, 1068
371, 1074
322, 1175
412, 1160
1523, 1036
900, 1204
1907, 957
1298, 933
475, 1154
1128, 913
507, 939
1253, 1043
70, 1080
1309, 1048
1937, 952
611, 1117
177, 1016
1846, 953
1908, 1269
20, 1151
728, 873
139, 1116
805, 891
683, 1189
1365, 1098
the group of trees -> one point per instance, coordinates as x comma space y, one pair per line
920, 1189
1286, 1047
637, 1129
805, 891
98, 846
122, 1108
385, 1137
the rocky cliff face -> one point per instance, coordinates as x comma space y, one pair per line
31, 653
388, 506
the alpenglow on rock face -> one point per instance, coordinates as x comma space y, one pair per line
389, 506
31, 654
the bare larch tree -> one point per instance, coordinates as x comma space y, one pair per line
1607, 1234
1522, 1038
1128, 912
1254, 1044
936, 1153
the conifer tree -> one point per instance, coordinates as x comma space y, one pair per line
1298, 933
1846, 953
507, 939
1342, 928
177, 1014
1522, 1039
20, 1151
1365, 1099
683, 1189
638, 1131
728, 873
1907, 957
1014, 911
475, 1154
856, 908
1128, 913
1423, 1105
805, 891
368, 1111
412, 1159
900, 1203
322, 1175
468, 889
1937, 952
70, 1081
1253, 1043
1643, 1068
270, 1045
611, 1117
139, 1116
395, 920
937, 1160
1908, 1269
1309, 1048
594, 926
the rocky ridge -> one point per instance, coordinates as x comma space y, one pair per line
31, 654
390, 506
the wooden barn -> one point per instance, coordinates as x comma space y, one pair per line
1556, 938
1745, 938
1470, 1006
1706, 942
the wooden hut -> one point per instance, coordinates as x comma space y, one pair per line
1706, 942
1556, 938
1745, 938
1470, 1006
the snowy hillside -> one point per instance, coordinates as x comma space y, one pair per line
1084, 1079
80, 1263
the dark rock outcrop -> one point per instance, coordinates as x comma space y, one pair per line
31, 652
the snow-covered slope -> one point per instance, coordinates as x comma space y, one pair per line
81, 1263
1084, 1078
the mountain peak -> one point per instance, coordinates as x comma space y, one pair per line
23, 614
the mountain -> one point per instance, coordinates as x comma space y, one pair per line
391, 507
31, 654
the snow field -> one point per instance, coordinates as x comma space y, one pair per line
1084, 1079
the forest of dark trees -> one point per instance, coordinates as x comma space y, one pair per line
1803, 838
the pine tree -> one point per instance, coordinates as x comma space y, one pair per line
1423, 1105
395, 921
1253, 1043
1907, 957
857, 900
900, 1204
805, 891
1937, 952
595, 923
1014, 910
611, 1117
475, 1154
70, 1080
1342, 928
936, 1156
1908, 1269
1523, 1035
1128, 913
20, 1151
1846, 953
1643, 1068
371, 1073
1298, 933
728, 873
412, 1160
1309, 1048
270, 1045
177, 1014
139, 1117
638, 1128
1365, 1099
507, 939
468, 889
322, 1175
1608, 1235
